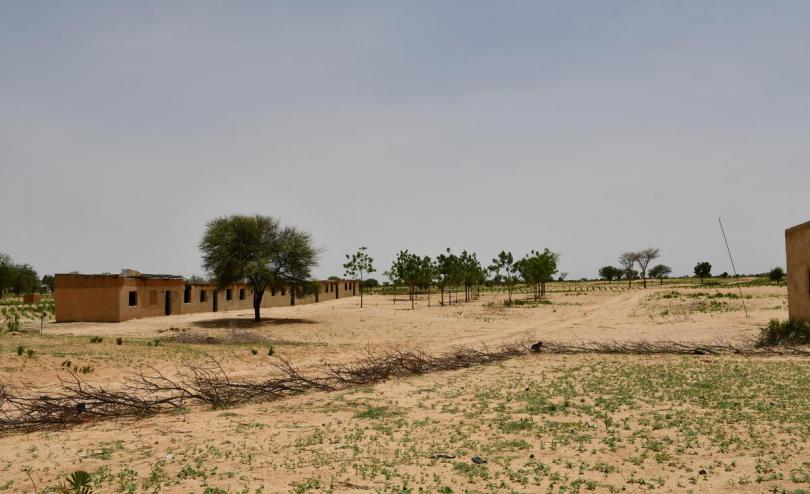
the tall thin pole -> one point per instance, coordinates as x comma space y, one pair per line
732, 266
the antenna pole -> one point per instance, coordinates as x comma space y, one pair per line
732, 266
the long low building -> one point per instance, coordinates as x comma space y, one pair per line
131, 295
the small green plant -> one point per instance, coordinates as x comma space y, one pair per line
119, 341
254, 351
20, 350
791, 332
30, 353
12, 316
79, 482
270, 351
96, 339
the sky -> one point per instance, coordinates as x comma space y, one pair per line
590, 128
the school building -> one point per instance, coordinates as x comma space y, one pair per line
131, 295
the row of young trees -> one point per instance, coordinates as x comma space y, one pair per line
449, 272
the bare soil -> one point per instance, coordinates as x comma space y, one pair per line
559, 423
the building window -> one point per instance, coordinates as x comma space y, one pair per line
241, 294
187, 294
228, 294
133, 298
203, 296
273, 291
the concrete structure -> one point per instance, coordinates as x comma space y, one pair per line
131, 295
797, 245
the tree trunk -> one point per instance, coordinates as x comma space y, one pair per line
361, 292
257, 303
442, 290
412, 305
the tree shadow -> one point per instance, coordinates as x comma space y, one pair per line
234, 322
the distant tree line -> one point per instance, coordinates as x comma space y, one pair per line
21, 278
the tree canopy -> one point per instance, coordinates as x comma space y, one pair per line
259, 251
538, 268
660, 271
703, 270
610, 273
18, 278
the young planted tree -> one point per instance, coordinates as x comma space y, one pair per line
660, 272
358, 265
703, 270
610, 273
472, 274
643, 258
446, 273
627, 261
43, 311
506, 268
427, 273
538, 268
259, 251
407, 270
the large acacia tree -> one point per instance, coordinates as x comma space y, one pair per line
259, 251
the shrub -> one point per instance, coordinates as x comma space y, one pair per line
96, 339
119, 341
776, 274
30, 352
254, 351
20, 349
270, 351
791, 332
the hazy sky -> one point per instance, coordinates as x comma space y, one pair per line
586, 127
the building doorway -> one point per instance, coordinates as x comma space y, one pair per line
168, 303
216, 299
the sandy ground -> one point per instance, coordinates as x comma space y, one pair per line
336, 330
324, 442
